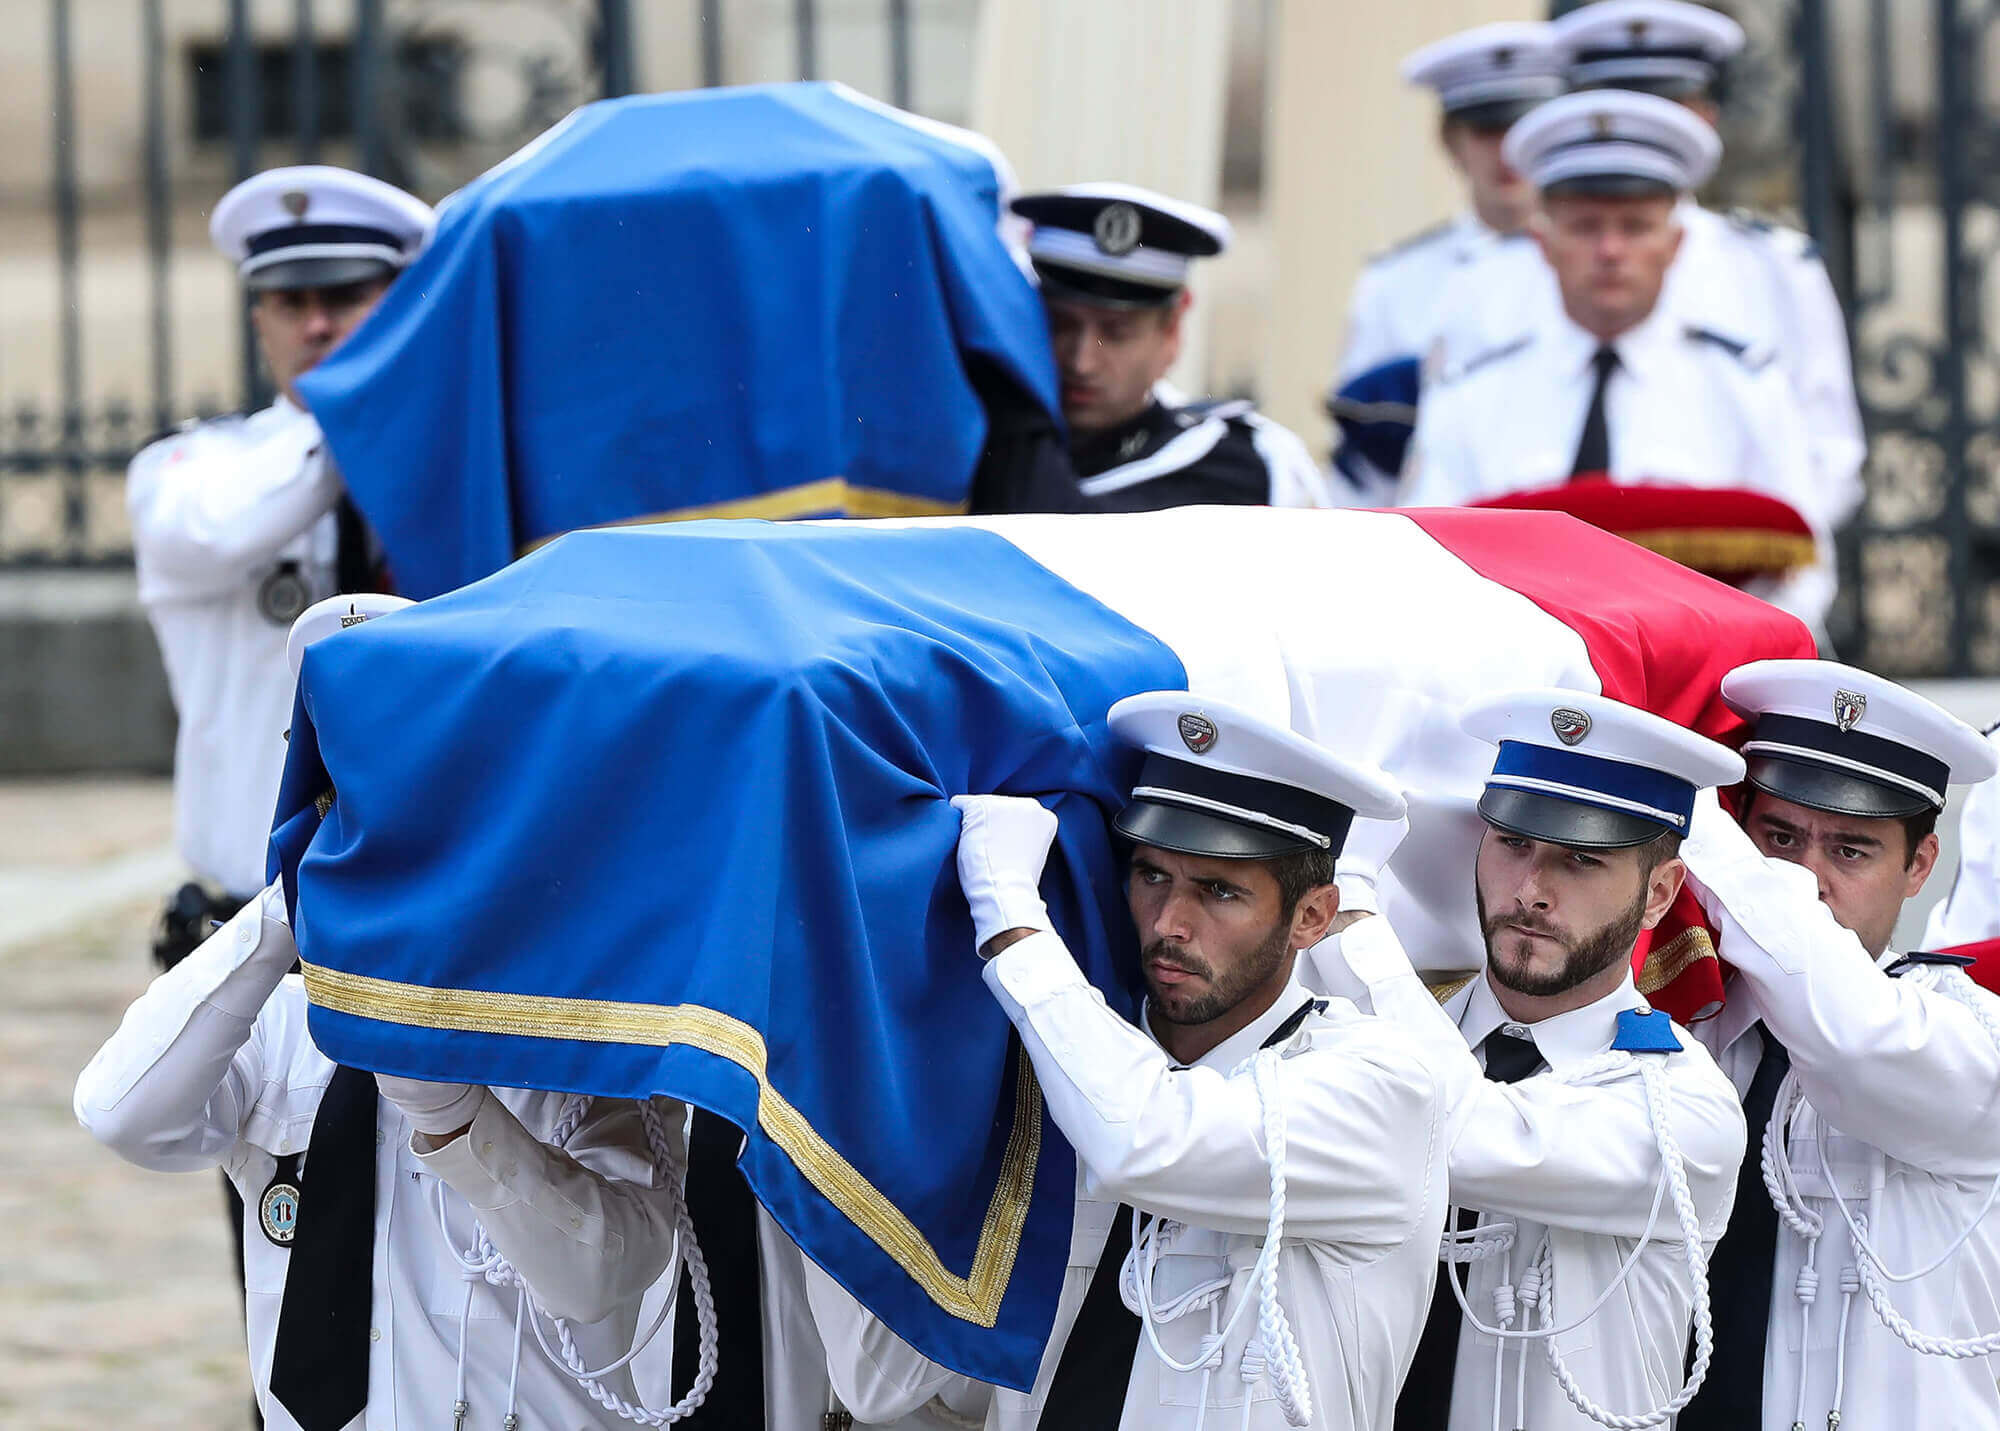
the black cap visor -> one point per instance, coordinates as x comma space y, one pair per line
1565, 822
1494, 116
1076, 285
333, 271
1195, 832
1610, 186
1838, 792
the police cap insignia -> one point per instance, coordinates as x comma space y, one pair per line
1116, 229
1637, 29
1198, 732
1848, 708
1570, 725
1600, 125
296, 202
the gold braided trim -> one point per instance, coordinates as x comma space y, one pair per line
829, 494
1735, 552
1443, 989
1669, 961
973, 1299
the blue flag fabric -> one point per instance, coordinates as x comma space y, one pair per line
663, 810
738, 302
1376, 412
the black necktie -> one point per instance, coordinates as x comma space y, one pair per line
319, 1366
354, 566
1088, 1394
1593, 449
1424, 1404
724, 1213
1739, 1274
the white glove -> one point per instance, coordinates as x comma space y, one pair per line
1719, 855
1003, 842
433, 1109
1369, 845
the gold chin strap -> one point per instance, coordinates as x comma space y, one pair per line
1442, 989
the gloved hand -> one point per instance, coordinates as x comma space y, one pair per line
1369, 845
1003, 842
433, 1109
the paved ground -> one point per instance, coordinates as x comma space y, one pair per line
119, 1308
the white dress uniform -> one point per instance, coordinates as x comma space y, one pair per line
1396, 309
1971, 912
1564, 1165
233, 534
214, 1065
1759, 285
1896, 1065
233, 530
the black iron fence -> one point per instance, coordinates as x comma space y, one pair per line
1870, 122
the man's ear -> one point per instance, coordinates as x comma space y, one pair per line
1312, 921
1661, 886
1923, 859
1538, 230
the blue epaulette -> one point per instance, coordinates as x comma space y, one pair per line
1907, 962
1416, 240
1645, 1031
1749, 222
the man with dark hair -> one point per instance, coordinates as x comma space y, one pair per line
1593, 1142
1112, 261
1861, 1275
1234, 824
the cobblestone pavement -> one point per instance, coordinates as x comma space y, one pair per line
119, 1304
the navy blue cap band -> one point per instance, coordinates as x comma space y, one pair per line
1850, 752
1245, 799
1638, 790
295, 235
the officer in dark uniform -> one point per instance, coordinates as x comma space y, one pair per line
1113, 260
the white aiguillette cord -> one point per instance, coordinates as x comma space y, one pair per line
1538, 1286
1867, 1273
483, 1260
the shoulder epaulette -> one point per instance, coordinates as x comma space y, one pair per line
1460, 371
1908, 962
1645, 1031
1224, 408
1416, 240
1748, 354
1801, 245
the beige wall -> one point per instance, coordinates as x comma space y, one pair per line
1352, 164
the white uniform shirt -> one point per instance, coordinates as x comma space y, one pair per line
1762, 284
215, 509
1972, 910
1576, 1164
1902, 1085
1395, 310
1678, 410
1364, 1171
1365, 1206
214, 1064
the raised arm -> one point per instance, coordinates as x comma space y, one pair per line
174, 1088
1904, 1067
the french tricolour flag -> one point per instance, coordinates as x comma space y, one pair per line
664, 810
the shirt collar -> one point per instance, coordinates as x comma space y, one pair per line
1565, 1038
1248, 1039
1636, 346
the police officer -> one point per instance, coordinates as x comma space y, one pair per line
1863, 1269
1593, 1143
1618, 385
1485, 78
1112, 260
1762, 284
1235, 825
239, 524
1970, 914
378, 1212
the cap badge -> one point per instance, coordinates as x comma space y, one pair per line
1570, 726
1503, 58
296, 202
1198, 733
351, 617
1600, 125
1116, 229
1637, 30
1848, 708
